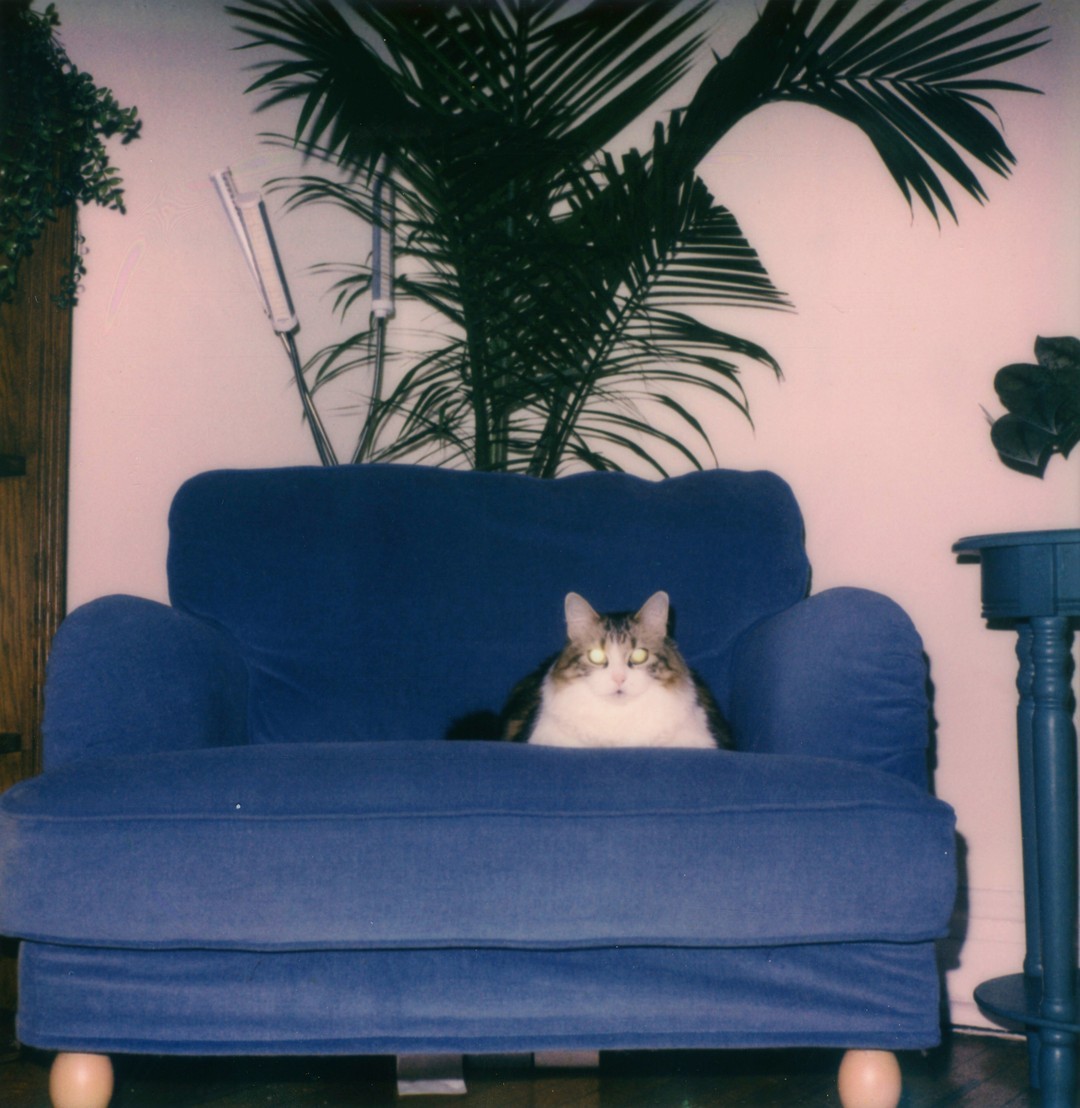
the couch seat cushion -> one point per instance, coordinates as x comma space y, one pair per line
463, 844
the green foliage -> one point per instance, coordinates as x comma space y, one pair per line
1043, 403
52, 131
567, 281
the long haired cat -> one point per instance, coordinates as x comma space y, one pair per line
618, 681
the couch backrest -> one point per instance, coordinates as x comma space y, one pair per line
377, 602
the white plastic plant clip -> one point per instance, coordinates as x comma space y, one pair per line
382, 244
251, 225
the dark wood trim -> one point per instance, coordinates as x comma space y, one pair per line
54, 422
35, 405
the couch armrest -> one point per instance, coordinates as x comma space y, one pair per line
128, 676
840, 675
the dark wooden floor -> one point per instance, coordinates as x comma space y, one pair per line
970, 1071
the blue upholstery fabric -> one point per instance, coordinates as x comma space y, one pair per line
410, 844
298, 565
841, 675
127, 675
252, 836
875, 995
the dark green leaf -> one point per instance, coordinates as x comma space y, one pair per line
1048, 398
1022, 445
1058, 354
1044, 406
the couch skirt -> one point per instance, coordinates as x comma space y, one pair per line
873, 995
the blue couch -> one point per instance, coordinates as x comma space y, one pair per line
253, 835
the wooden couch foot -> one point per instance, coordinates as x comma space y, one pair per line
81, 1081
869, 1079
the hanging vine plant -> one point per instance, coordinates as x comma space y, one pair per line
52, 140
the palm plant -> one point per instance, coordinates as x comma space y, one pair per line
566, 280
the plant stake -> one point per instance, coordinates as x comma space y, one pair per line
251, 224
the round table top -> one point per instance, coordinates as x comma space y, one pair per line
1020, 538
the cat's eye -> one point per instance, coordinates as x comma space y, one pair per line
639, 656
597, 656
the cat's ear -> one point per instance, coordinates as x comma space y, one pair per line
653, 614
581, 619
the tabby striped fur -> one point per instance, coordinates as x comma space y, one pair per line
618, 681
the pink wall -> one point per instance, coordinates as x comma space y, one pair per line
900, 328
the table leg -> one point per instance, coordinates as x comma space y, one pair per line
1029, 832
1054, 743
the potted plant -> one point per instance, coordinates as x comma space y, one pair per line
1029, 585
1043, 407
565, 278
53, 128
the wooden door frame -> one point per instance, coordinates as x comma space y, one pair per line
35, 371
35, 392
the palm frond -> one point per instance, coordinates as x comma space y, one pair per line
566, 278
908, 75
631, 432
350, 105
653, 243
902, 77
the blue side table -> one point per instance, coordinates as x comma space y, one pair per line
1031, 584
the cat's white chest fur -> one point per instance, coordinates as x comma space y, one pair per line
576, 714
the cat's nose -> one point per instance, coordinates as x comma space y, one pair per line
619, 677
